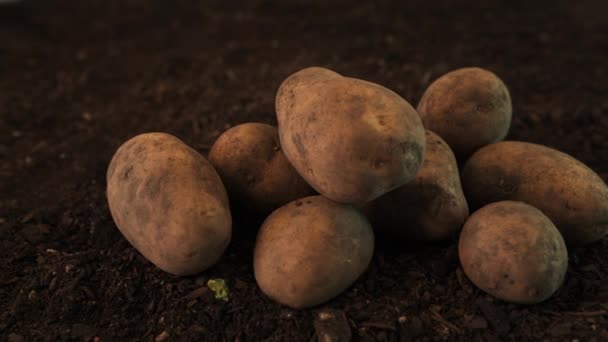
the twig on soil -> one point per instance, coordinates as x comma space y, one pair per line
9, 282
552, 313
379, 325
88, 292
17, 302
236, 309
75, 282
586, 313
196, 293
437, 316
28, 216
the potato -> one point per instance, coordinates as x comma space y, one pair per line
573, 196
512, 251
432, 206
169, 203
310, 250
468, 108
257, 175
351, 140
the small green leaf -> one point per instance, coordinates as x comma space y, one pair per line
219, 287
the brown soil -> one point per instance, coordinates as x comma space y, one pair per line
77, 78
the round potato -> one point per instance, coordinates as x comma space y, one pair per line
169, 203
573, 196
311, 250
468, 108
256, 173
351, 140
513, 251
432, 206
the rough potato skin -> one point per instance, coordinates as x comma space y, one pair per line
513, 251
300, 80
432, 206
573, 196
469, 108
257, 175
311, 250
351, 140
169, 203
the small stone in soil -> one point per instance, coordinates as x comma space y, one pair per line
494, 315
163, 336
411, 329
332, 326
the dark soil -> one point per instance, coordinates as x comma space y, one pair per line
78, 78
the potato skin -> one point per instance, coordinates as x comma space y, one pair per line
512, 251
351, 140
311, 250
169, 203
432, 206
469, 108
573, 196
257, 175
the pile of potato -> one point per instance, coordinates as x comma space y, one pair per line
349, 155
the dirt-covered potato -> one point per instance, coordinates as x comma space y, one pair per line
310, 250
573, 196
432, 206
350, 139
468, 108
256, 173
512, 251
169, 203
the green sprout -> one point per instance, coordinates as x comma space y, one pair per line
219, 287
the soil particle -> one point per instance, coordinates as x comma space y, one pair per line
332, 326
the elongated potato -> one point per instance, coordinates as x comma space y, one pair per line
573, 196
169, 203
351, 140
513, 251
257, 175
469, 108
432, 206
310, 250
